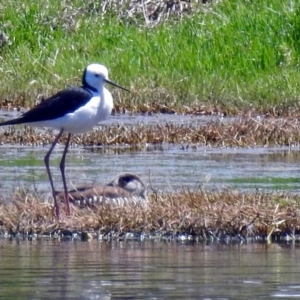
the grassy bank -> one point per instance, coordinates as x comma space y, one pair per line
236, 52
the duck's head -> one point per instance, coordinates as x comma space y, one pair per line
131, 183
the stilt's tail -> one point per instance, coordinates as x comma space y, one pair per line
12, 122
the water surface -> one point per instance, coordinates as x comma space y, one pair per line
167, 169
147, 270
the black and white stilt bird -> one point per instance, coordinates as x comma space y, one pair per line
72, 110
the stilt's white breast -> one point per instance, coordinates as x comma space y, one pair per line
97, 109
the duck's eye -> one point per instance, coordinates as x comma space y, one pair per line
97, 75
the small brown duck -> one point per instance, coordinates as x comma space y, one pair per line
125, 187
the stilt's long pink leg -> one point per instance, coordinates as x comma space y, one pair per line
62, 169
46, 160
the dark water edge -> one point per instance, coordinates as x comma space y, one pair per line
208, 237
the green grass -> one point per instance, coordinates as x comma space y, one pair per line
236, 52
277, 183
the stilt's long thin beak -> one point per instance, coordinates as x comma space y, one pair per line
112, 83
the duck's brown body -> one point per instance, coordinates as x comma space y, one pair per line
125, 186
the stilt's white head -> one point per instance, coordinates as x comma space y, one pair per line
95, 76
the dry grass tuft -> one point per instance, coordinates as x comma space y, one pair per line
237, 132
149, 13
197, 215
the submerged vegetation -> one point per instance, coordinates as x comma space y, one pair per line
233, 53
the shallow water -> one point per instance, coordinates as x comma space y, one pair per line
147, 270
133, 119
167, 169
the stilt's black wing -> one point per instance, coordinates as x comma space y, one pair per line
58, 105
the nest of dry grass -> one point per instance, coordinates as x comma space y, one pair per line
200, 215
238, 132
